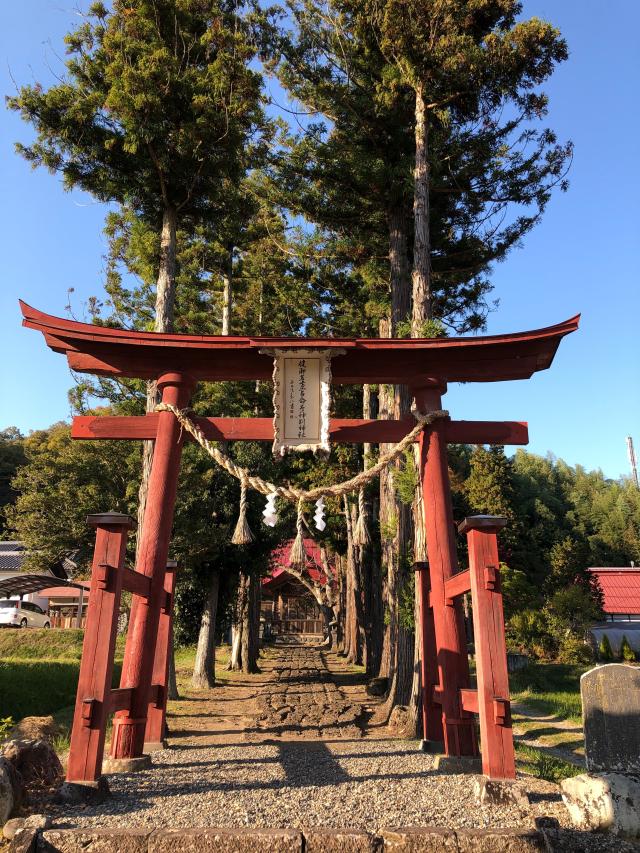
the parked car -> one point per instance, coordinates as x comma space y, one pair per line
22, 614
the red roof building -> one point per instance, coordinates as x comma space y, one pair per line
621, 591
288, 605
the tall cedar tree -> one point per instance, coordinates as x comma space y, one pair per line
346, 61
350, 169
467, 64
156, 112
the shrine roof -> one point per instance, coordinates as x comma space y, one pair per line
118, 352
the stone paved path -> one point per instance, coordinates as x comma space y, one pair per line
303, 701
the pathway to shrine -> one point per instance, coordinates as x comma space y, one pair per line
299, 744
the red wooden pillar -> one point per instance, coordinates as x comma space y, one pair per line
494, 709
93, 698
156, 714
431, 714
452, 660
137, 669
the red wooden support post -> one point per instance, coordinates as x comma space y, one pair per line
137, 669
154, 736
96, 667
431, 713
453, 664
496, 735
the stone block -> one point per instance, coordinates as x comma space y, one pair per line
501, 792
457, 764
126, 765
96, 840
611, 710
77, 793
24, 841
228, 840
420, 840
12, 826
155, 746
501, 841
7, 793
340, 841
35, 760
605, 802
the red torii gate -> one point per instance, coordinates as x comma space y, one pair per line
177, 363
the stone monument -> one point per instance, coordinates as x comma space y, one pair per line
607, 797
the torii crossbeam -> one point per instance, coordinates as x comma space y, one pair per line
179, 362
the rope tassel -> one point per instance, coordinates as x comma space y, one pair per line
361, 535
298, 554
242, 535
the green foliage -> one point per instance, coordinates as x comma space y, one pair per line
542, 765
38, 644
406, 602
406, 477
626, 652
528, 631
350, 171
157, 102
574, 649
6, 724
550, 687
517, 592
571, 610
11, 458
605, 652
40, 687
61, 483
431, 328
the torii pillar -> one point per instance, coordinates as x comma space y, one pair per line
457, 727
139, 654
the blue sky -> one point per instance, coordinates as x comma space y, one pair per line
582, 258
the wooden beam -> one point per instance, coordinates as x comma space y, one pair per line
135, 582
469, 700
342, 430
456, 585
120, 699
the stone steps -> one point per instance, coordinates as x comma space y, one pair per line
212, 840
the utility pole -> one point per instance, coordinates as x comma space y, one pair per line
632, 461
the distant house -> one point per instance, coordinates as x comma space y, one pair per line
61, 602
620, 587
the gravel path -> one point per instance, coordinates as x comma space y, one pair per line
365, 784
292, 755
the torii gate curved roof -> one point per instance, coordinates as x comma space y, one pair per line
116, 352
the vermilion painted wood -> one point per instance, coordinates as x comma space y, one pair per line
93, 698
135, 582
431, 712
457, 584
346, 431
146, 355
469, 700
129, 725
496, 735
120, 699
453, 664
157, 710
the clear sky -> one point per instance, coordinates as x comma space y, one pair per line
583, 257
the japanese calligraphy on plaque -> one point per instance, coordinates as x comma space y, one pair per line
301, 399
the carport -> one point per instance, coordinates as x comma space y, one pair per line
22, 585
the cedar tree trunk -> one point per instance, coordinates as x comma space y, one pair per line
204, 669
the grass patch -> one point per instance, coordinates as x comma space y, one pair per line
540, 764
46, 644
553, 688
36, 688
